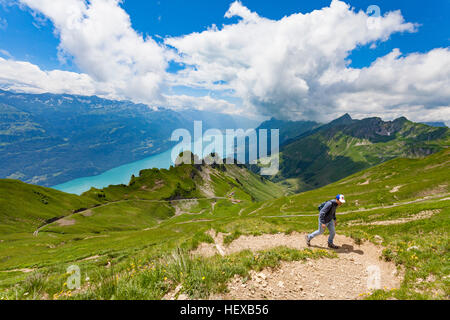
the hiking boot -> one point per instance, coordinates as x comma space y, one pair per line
308, 241
332, 246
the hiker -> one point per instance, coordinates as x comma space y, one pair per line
327, 219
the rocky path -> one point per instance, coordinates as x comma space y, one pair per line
354, 273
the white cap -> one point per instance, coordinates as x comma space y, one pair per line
341, 198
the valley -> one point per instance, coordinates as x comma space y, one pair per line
49, 139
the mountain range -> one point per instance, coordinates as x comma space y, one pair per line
327, 153
47, 139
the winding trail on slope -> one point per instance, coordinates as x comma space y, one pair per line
88, 211
366, 209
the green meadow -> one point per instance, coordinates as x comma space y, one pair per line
133, 241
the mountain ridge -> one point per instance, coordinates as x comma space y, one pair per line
344, 146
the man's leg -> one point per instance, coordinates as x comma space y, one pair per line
332, 230
317, 232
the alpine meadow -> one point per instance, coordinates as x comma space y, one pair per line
317, 164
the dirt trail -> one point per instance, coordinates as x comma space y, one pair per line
65, 222
294, 214
356, 271
88, 212
24, 270
419, 216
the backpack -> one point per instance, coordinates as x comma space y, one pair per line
322, 205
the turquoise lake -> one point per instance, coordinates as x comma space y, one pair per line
119, 175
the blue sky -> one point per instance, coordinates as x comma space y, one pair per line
26, 39
27, 33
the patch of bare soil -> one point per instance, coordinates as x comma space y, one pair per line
441, 189
94, 237
91, 258
65, 222
395, 189
158, 185
253, 243
357, 269
263, 206
364, 183
175, 294
183, 207
324, 279
421, 215
194, 221
24, 270
443, 164
88, 213
207, 189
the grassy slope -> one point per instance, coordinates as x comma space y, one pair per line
256, 186
415, 178
186, 181
25, 207
141, 266
334, 153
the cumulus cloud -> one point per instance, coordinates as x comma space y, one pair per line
99, 37
294, 68
34, 80
297, 67
237, 9
417, 85
205, 103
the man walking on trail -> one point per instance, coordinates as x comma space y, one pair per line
327, 219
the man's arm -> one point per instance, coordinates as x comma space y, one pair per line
324, 211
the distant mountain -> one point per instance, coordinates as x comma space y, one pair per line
48, 139
289, 130
345, 146
435, 124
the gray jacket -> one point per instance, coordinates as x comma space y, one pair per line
328, 212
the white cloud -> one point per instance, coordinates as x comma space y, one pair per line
99, 37
206, 103
238, 10
417, 85
25, 77
297, 67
